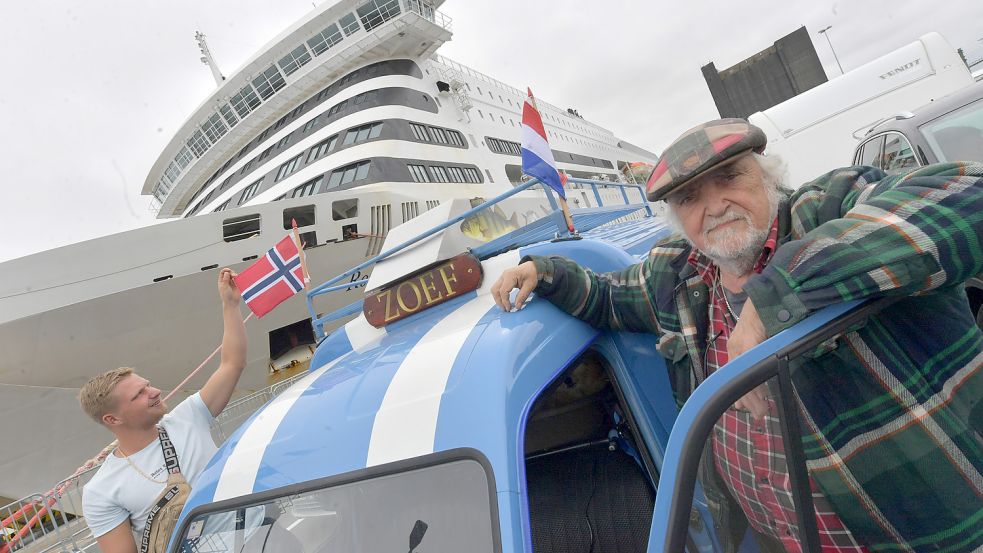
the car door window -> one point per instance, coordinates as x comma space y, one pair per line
898, 154
870, 152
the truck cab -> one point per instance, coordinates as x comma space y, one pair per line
433, 421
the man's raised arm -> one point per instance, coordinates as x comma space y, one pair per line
218, 389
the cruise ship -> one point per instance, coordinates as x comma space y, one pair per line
350, 123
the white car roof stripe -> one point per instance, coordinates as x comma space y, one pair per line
239, 473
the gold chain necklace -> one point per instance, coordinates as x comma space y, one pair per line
136, 468
720, 286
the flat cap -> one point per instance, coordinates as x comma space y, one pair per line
700, 149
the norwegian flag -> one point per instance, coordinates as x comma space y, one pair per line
273, 279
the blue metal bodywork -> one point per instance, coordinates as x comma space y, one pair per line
358, 408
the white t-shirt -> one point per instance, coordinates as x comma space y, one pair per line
118, 492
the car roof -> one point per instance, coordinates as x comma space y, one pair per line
929, 111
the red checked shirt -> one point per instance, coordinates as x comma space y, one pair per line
749, 454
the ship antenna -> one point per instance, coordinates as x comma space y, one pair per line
207, 58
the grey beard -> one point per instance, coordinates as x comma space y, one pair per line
740, 259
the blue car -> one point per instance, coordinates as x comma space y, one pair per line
434, 422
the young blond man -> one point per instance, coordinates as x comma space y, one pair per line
158, 451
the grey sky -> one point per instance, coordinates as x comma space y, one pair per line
94, 88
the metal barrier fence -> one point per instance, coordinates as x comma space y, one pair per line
236, 412
42, 523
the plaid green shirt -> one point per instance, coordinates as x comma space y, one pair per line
892, 412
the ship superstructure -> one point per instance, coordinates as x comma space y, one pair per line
350, 123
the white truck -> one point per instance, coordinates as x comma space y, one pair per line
818, 130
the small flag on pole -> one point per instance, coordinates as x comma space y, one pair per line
273, 279
537, 158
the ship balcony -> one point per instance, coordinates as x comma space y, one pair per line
376, 30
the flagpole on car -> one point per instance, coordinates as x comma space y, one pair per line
303, 257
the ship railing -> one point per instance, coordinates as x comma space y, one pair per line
428, 12
521, 94
237, 411
42, 523
556, 216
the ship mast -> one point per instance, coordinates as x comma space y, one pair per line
207, 58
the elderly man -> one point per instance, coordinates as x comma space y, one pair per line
891, 412
133, 500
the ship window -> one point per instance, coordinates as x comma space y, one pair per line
250, 191
420, 132
344, 209
282, 142
363, 133
377, 12
439, 174
214, 127
287, 168
304, 215
183, 157
439, 135
456, 174
160, 192
472, 175
348, 173
325, 39
172, 172
335, 179
223, 206
195, 208
265, 154
455, 138
309, 124
337, 107
247, 166
240, 228
490, 179
322, 148
419, 173
228, 115
294, 60
268, 82
198, 143
348, 24
245, 101
306, 189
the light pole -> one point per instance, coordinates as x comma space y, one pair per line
825, 34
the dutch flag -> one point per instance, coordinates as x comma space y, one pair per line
537, 158
273, 279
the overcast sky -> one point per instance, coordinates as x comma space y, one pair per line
94, 89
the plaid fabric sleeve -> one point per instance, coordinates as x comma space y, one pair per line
858, 234
617, 300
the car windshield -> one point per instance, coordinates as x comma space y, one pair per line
440, 508
958, 135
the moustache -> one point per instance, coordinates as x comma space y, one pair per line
712, 222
